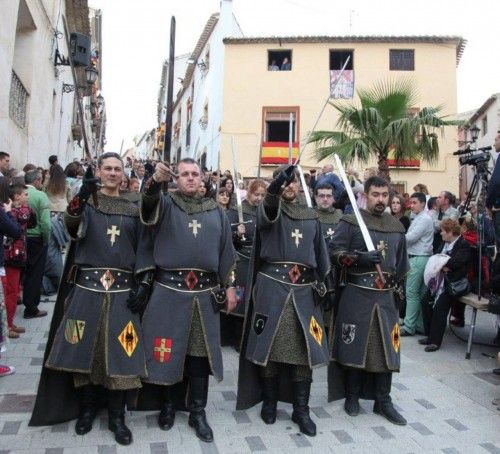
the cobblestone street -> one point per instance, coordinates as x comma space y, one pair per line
445, 398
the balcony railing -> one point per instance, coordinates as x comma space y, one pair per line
18, 101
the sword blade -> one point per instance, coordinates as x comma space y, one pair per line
304, 187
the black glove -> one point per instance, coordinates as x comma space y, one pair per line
90, 185
368, 258
139, 296
287, 175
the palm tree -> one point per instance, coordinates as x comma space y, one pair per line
383, 124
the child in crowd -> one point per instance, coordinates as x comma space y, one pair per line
15, 254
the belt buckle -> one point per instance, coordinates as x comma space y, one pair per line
107, 280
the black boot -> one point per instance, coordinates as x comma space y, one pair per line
166, 418
300, 415
116, 417
270, 391
352, 389
197, 401
383, 405
88, 410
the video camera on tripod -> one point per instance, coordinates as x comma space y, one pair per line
472, 157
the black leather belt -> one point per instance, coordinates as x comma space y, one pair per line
370, 281
187, 279
110, 280
288, 272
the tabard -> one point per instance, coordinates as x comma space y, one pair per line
366, 313
283, 322
188, 242
92, 331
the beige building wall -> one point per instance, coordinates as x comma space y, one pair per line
249, 86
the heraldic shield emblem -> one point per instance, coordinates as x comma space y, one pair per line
259, 323
348, 333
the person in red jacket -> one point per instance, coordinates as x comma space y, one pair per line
15, 254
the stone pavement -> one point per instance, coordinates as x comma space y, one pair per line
445, 398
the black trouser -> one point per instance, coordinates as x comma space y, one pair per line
435, 319
33, 273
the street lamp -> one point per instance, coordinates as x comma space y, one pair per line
474, 133
91, 75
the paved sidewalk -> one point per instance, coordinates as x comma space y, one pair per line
445, 398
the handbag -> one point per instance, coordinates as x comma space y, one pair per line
457, 288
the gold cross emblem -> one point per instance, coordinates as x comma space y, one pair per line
114, 231
195, 226
297, 235
382, 247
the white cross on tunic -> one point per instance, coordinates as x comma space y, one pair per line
195, 226
114, 232
330, 232
297, 235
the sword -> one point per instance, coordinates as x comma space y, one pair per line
322, 110
237, 188
380, 281
304, 187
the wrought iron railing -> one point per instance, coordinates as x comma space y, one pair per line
18, 101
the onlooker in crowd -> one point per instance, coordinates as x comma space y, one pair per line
37, 242
419, 240
397, 210
368, 173
432, 206
228, 183
241, 189
15, 254
53, 160
445, 210
273, 66
423, 189
4, 163
29, 167
140, 171
436, 311
223, 198
58, 193
134, 184
407, 202
8, 226
202, 190
286, 65
124, 186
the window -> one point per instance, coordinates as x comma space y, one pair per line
18, 101
276, 134
338, 59
484, 123
401, 59
341, 82
279, 60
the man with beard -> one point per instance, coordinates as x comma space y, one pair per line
329, 217
95, 341
189, 248
284, 334
366, 343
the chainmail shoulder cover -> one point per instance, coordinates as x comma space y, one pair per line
330, 216
114, 205
385, 223
298, 211
193, 205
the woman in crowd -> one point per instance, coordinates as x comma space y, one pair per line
124, 186
58, 192
436, 310
224, 198
397, 210
243, 234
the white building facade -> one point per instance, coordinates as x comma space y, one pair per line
36, 113
198, 110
